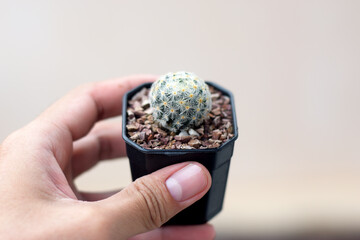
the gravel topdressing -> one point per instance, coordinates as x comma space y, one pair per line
143, 130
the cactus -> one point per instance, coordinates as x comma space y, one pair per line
180, 100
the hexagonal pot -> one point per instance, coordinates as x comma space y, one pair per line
216, 160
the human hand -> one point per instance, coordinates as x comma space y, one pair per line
38, 164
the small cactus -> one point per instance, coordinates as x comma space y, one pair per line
180, 100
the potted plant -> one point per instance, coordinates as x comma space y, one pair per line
181, 118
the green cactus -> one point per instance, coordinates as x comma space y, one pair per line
180, 100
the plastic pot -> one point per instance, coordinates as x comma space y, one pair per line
217, 161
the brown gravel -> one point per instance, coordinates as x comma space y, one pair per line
143, 130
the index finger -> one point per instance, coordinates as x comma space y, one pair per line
78, 111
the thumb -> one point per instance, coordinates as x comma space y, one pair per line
152, 200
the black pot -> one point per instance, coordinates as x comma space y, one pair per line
217, 161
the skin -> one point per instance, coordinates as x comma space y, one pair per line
39, 162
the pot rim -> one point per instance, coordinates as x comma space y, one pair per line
177, 151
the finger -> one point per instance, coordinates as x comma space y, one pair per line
103, 142
96, 196
203, 232
73, 116
152, 200
81, 108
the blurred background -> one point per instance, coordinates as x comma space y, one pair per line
293, 67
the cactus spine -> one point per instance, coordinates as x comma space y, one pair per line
180, 100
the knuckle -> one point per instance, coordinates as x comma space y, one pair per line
153, 201
10, 141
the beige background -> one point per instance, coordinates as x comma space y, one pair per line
293, 67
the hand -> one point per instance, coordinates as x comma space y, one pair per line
38, 164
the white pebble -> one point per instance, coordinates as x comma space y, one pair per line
192, 132
183, 133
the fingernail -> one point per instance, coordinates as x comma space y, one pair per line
186, 182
